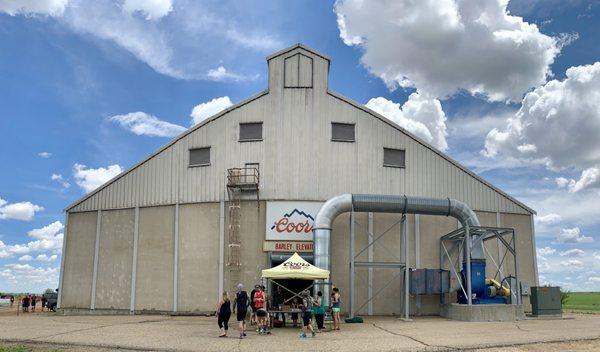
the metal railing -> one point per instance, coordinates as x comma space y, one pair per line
242, 176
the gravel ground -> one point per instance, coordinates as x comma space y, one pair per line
50, 332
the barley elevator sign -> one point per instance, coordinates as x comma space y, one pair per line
291, 221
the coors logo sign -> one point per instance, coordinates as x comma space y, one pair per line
291, 221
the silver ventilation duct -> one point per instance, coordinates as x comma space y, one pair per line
385, 204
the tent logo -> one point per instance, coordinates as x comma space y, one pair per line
296, 221
296, 265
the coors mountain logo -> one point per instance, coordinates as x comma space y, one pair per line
295, 221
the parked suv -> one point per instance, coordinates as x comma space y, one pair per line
51, 300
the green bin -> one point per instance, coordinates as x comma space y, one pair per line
546, 301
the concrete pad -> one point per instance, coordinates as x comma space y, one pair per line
482, 312
167, 333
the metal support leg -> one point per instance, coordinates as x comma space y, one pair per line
370, 270
468, 255
406, 269
442, 298
418, 258
516, 261
351, 315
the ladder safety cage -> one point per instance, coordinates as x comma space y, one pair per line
240, 180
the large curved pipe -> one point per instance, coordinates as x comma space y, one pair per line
384, 204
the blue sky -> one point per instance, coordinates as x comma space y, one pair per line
89, 88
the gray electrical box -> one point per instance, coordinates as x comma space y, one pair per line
429, 281
546, 300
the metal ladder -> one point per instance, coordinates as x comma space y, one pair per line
234, 262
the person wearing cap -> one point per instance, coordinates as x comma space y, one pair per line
241, 303
307, 303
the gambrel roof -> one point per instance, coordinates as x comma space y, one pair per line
231, 110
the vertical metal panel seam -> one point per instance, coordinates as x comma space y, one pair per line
370, 270
96, 249
62, 262
418, 255
134, 261
498, 223
175, 257
221, 245
536, 277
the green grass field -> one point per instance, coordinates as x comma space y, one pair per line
583, 302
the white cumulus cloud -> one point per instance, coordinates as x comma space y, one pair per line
24, 211
44, 155
590, 178
142, 123
89, 179
572, 235
33, 7
222, 74
573, 253
548, 219
445, 46
423, 116
58, 178
47, 239
47, 232
562, 120
203, 111
572, 264
46, 258
27, 278
545, 251
152, 9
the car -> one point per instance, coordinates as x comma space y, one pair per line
51, 300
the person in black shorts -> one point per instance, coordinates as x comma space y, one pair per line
252, 293
306, 314
240, 304
25, 304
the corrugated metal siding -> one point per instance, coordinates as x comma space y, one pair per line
297, 158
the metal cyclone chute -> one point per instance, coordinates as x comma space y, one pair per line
401, 204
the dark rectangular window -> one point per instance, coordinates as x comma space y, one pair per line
251, 131
200, 156
393, 157
342, 132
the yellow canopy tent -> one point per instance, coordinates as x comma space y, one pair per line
295, 267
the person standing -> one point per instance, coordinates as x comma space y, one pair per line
25, 304
306, 315
223, 314
319, 311
336, 304
241, 303
12, 301
33, 303
44, 301
278, 300
252, 307
261, 312
294, 308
